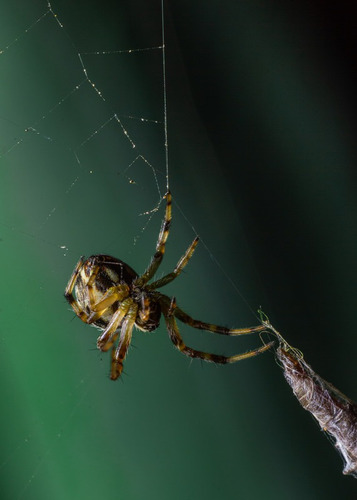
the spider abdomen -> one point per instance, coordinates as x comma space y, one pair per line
108, 271
97, 275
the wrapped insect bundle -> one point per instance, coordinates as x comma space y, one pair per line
335, 412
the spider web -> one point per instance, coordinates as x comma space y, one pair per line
72, 149
47, 125
84, 167
84, 158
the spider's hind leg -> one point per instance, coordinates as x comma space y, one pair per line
201, 325
178, 342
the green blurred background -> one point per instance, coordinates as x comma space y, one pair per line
262, 155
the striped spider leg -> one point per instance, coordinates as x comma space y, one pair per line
108, 294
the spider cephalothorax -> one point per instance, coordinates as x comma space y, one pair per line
109, 294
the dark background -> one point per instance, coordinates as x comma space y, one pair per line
261, 126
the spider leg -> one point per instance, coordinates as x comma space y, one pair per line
160, 245
73, 278
118, 354
69, 292
179, 266
114, 294
110, 334
178, 342
201, 325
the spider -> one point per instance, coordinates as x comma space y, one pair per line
107, 293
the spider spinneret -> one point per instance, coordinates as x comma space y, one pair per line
107, 293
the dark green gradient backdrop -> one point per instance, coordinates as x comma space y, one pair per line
262, 121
